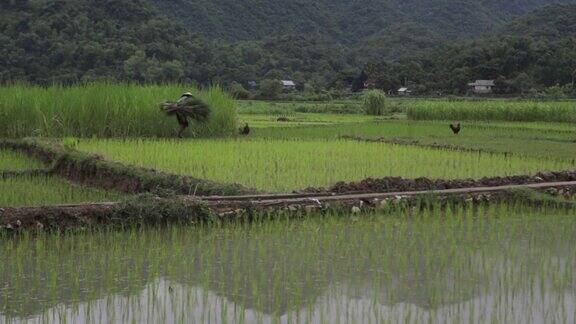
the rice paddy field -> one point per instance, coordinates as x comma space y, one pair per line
502, 263
48, 190
16, 161
545, 140
492, 262
285, 165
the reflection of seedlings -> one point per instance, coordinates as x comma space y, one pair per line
453, 263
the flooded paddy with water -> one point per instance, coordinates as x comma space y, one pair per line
499, 263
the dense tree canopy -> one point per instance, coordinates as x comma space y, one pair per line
389, 43
533, 52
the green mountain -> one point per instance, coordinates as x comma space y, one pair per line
68, 41
532, 52
341, 20
322, 43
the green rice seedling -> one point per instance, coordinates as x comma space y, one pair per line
16, 161
548, 140
436, 264
48, 190
106, 110
493, 110
300, 119
284, 165
251, 107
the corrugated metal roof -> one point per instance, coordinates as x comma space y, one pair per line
482, 83
288, 83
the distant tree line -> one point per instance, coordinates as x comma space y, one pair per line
59, 41
518, 66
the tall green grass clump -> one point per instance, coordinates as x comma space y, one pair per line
375, 102
107, 110
493, 110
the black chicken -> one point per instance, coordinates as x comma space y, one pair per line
245, 130
455, 128
187, 107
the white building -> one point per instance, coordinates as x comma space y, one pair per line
288, 85
404, 91
482, 86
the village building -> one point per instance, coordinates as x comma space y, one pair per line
252, 85
404, 91
288, 85
482, 86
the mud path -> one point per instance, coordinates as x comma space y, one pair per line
193, 209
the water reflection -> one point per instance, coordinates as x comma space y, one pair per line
461, 267
169, 302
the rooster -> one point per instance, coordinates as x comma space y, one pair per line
455, 128
187, 107
245, 130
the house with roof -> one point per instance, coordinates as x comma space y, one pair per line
482, 86
404, 91
288, 85
252, 85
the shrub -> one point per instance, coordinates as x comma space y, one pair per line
374, 102
238, 91
270, 89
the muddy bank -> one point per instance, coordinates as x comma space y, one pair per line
93, 170
389, 184
411, 142
136, 212
24, 173
149, 210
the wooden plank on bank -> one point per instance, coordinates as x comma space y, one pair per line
291, 198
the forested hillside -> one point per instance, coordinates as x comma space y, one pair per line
536, 51
70, 41
430, 45
341, 20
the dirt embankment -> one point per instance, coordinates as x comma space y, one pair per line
390, 184
135, 212
149, 210
93, 170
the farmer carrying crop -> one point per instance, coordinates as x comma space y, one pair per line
187, 107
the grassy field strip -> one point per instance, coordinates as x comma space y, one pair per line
492, 110
16, 161
524, 141
289, 107
48, 190
301, 119
106, 110
540, 126
283, 165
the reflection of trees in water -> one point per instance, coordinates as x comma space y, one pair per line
277, 267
